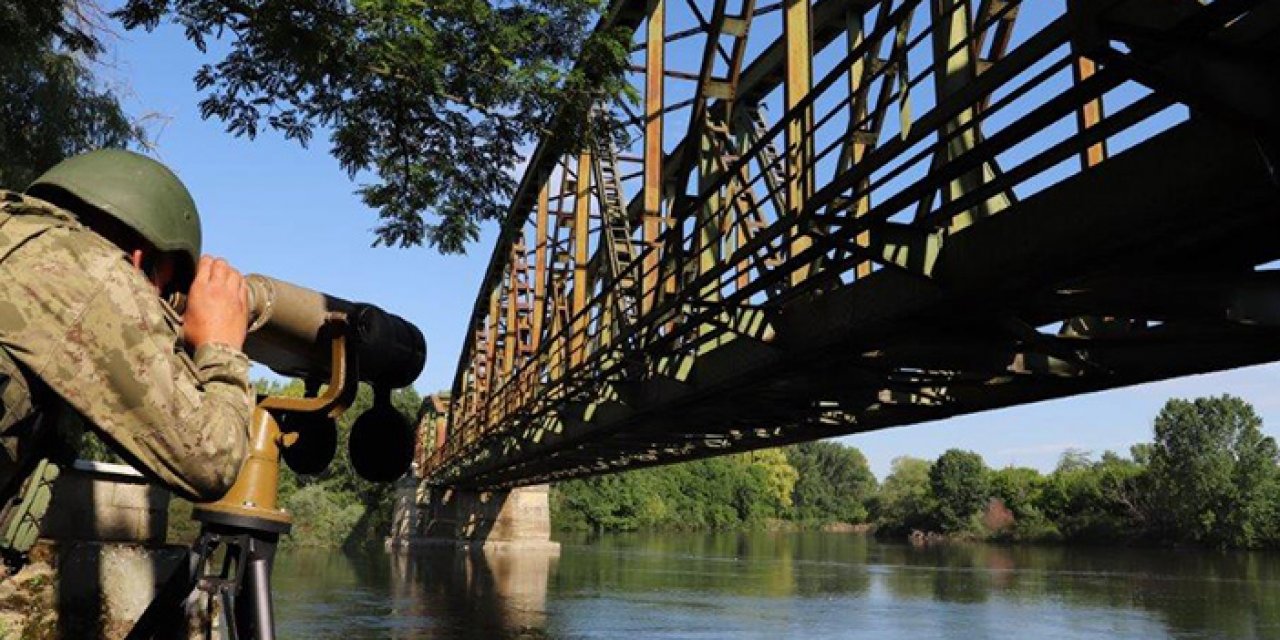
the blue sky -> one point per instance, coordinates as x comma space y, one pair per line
272, 207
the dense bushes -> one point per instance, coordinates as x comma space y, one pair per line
1209, 478
817, 483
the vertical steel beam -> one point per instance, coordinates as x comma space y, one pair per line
557, 336
954, 67
441, 423
540, 239
745, 212
855, 148
491, 371
1089, 115
510, 332
710, 221
798, 79
709, 214
654, 61
559, 273
581, 287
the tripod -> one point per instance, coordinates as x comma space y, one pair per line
246, 523
239, 589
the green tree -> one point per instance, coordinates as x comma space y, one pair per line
433, 97
727, 492
53, 106
959, 483
1021, 490
1100, 501
1074, 460
1214, 472
834, 484
780, 478
905, 501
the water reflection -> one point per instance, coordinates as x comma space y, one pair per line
427, 593
1192, 593
494, 593
769, 585
771, 565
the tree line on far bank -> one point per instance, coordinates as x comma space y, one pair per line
814, 483
1209, 477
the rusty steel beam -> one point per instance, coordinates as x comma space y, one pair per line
581, 281
652, 189
797, 34
1089, 115
540, 267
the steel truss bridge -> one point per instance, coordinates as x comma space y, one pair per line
844, 215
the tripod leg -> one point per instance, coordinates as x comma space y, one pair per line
257, 616
260, 590
165, 609
229, 613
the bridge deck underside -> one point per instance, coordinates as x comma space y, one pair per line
1165, 217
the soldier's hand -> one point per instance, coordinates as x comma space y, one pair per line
217, 305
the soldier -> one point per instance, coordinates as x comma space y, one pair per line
85, 257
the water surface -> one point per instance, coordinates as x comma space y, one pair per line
779, 585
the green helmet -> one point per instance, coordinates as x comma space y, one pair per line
141, 193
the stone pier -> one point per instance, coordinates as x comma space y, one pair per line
517, 519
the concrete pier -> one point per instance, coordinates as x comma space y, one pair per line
518, 519
101, 557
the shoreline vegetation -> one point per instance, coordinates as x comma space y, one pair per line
1209, 478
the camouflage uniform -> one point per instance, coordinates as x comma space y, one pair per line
81, 327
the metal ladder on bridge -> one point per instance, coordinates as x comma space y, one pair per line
752, 221
775, 171
616, 232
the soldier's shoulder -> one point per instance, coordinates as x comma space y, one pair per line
21, 204
49, 247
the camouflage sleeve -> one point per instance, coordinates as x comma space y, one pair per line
94, 331
220, 364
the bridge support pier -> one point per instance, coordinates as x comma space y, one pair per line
518, 519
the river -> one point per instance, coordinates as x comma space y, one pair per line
779, 585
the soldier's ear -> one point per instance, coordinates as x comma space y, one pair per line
138, 259
158, 271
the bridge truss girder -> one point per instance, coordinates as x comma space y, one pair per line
841, 269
